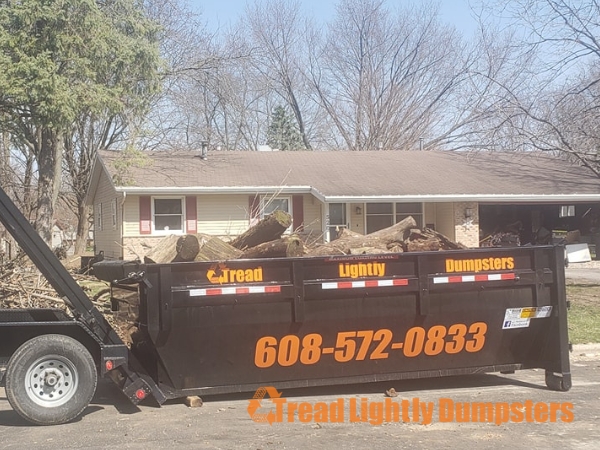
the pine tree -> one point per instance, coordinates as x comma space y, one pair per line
283, 133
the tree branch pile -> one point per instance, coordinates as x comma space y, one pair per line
23, 286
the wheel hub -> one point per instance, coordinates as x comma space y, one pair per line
51, 378
51, 381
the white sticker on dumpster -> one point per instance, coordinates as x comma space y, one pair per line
515, 323
519, 317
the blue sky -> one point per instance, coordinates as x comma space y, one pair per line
221, 12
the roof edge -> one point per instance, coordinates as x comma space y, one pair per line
513, 198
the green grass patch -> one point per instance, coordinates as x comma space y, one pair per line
93, 287
584, 315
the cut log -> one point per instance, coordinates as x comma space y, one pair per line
268, 229
187, 247
367, 251
397, 232
423, 245
289, 246
165, 251
384, 240
429, 240
215, 249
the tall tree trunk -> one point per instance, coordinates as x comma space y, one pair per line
83, 228
5, 175
49, 162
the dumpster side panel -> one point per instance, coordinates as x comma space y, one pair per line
295, 320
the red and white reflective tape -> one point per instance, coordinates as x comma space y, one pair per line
474, 278
235, 290
365, 283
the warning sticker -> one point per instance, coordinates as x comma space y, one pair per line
519, 317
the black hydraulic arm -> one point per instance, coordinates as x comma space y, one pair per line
56, 274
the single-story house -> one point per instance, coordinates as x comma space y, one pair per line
139, 198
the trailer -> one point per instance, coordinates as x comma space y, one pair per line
236, 326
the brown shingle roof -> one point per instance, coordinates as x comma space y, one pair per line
364, 174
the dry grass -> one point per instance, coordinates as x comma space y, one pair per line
584, 315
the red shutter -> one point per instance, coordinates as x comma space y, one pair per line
191, 216
145, 215
298, 212
254, 208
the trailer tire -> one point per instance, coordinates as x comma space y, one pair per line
50, 379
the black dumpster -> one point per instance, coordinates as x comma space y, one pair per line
234, 326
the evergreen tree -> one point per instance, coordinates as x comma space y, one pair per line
62, 61
283, 133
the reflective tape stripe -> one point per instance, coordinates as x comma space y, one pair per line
473, 278
365, 283
235, 290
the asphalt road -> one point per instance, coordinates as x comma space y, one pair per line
582, 273
224, 422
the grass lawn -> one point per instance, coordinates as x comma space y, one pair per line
584, 315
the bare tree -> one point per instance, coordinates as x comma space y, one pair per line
384, 76
277, 28
557, 108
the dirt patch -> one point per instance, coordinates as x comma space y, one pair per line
583, 293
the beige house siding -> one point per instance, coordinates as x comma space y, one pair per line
312, 216
429, 214
357, 221
222, 215
227, 216
444, 219
466, 228
131, 216
218, 215
107, 237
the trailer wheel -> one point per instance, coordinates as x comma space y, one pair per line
50, 379
557, 383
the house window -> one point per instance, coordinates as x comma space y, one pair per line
167, 215
379, 216
403, 210
337, 219
271, 204
113, 207
567, 211
98, 218
383, 215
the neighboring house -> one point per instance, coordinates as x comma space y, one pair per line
138, 200
63, 235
